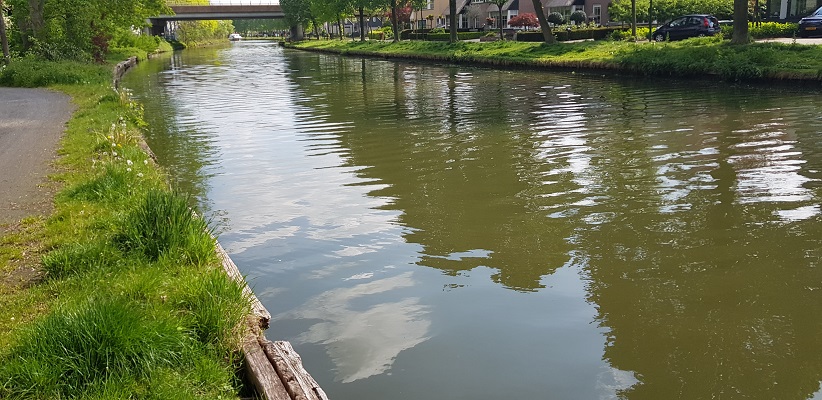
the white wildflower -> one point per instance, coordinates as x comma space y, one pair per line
129, 162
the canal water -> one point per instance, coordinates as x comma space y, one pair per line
425, 231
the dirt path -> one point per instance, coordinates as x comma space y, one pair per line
31, 124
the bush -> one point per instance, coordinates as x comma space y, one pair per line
578, 17
574, 34
765, 30
444, 37
556, 18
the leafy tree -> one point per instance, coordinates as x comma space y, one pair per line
418, 5
77, 28
526, 20
297, 15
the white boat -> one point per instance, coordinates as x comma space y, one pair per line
234, 37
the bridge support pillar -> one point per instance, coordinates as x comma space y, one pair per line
158, 27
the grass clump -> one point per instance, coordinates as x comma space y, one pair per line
164, 225
95, 341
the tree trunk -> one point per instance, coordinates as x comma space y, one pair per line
4, 40
547, 34
633, 18
362, 24
36, 17
340, 28
452, 18
740, 35
394, 24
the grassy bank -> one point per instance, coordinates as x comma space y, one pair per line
713, 57
132, 301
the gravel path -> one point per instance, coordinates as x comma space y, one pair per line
31, 124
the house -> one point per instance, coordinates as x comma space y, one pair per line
482, 14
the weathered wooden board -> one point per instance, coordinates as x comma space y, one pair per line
261, 373
289, 366
257, 307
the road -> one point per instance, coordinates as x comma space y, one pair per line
32, 122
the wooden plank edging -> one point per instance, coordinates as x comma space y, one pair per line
288, 364
257, 309
260, 371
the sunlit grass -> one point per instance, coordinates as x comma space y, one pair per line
134, 303
706, 57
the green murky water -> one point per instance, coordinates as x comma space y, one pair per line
427, 231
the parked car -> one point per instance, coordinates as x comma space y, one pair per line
687, 26
811, 25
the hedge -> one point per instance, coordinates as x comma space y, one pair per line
572, 34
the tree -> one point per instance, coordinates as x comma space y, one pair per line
740, 35
547, 34
297, 15
4, 40
500, 4
452, 19
526, 20
77, 29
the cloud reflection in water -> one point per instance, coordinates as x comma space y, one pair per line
364, 343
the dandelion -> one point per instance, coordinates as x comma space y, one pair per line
145, 162
129, 162
113, 144
114, 154
128, 169
139, 174
105, 153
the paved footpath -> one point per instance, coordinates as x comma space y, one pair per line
32, 121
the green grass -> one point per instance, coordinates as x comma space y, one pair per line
702, 57
134, 303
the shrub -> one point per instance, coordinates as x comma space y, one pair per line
573, 34
556, 18
578, 17
460, 36
765, 30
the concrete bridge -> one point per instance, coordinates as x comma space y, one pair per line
215, 12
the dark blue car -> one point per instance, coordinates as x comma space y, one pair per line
811, 25
687, 26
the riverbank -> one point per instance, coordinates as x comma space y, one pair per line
714, 58
128, 297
